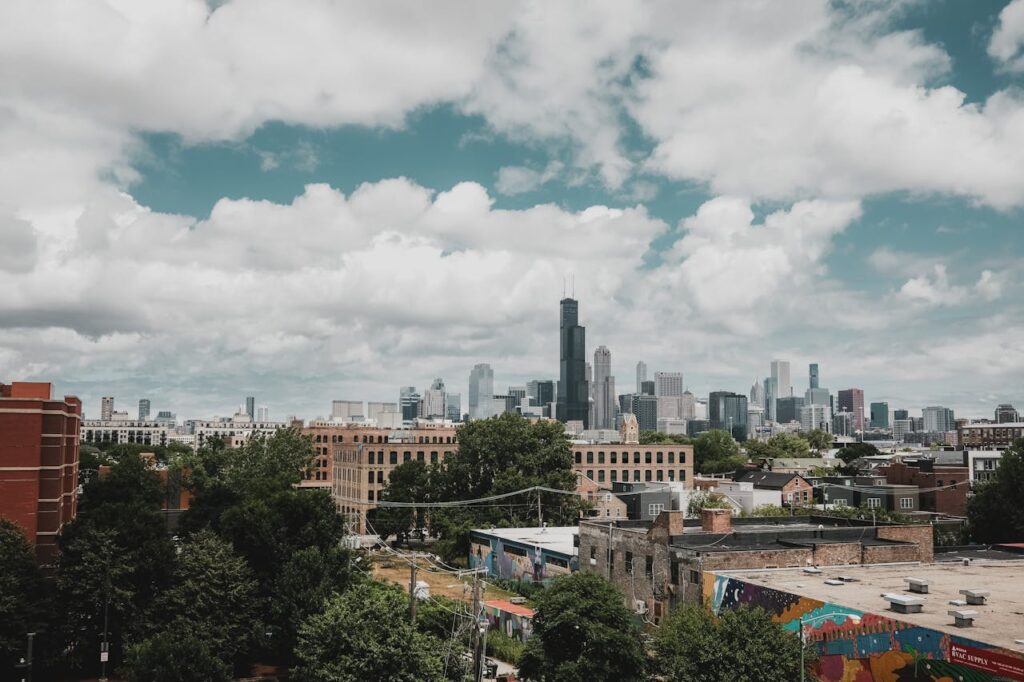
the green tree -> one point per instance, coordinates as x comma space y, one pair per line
302, 587
741, 645
854, 451
819, 440
23, 606
706, 499
409, 482
786, 445
365, 634
582, 631
996, 510
269, 463
174, 656
714, 446
213, 596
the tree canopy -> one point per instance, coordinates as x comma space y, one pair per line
23, 605
996, 510
781, 445
739, 645
365, 634
582, 631
715, 452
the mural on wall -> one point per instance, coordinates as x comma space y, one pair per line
856, 646
513, 562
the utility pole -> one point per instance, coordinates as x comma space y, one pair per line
801, 649
412, 591
540, 519
474, 636
105, 650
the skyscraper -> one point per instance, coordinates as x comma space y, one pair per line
668, 384
780, 372
542, 393
879, 415
938, 419
771, 394
645, 407
481, 391
813, 375
144, 409
757, 394
453, 406
250, 407
573, 392
1006, 414
262, 414
647, 387
641, 374
900, 414
788, 409
727, 411
604, 390
410, 403
106, 408
434, 400
852, 400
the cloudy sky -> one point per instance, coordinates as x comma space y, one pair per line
313, 200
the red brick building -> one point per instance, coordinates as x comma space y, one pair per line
952, 483
38, 461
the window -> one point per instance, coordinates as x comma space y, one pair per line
636, 475
369, 457
393, 457
380, 457
839, 503
682, 474
647, 458
369, 496
906, 503
380, 477
629, 562
655, 508
590, 458
579, 458
660, 458
433, 457
636, 458
671, 474
406, 456
600, 475
615, 475
647, 475
369, 476
874, 502
593, 552
675, 573
660, 475
649, 566
510, 549
556, 561
694, 577
671, 458
615, 458
600, 458
590, 474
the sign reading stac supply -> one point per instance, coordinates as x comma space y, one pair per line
988, 660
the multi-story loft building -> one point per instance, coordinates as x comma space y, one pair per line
608, 463
38, 461
146, 432
975, 436
355, 461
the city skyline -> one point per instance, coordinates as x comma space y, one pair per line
261, 231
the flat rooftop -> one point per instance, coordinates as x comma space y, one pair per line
559, 539
999, 622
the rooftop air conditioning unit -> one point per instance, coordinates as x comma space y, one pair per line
517, 600
640, 606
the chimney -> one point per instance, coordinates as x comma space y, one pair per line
668, 524
716, 520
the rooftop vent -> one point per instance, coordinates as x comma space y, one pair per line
963, 618
833, 581
902, 603
975, 597
918, 585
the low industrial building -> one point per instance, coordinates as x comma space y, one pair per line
661, 564
951, 620
942, 489
524, 554
515, 620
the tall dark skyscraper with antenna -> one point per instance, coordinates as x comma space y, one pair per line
573, 392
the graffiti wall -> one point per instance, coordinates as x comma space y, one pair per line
511, 561
856, 646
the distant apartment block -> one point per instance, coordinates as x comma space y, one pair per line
971, 436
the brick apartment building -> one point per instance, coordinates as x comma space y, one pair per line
661, 564
38, 461
977, 436
952, 483
355, 461
796, 491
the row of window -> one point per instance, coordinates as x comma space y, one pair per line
659, 457
407, 456
631, 563
648, 475
364, 438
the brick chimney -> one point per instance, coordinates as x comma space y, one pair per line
716, 520
667, 524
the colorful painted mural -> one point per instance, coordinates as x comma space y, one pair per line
856, 646
512, 561
515, 620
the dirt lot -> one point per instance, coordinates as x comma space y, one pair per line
444, 584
